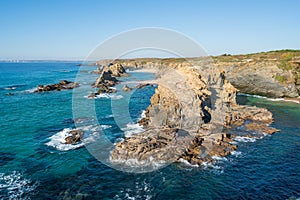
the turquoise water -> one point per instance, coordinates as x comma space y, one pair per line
30, 168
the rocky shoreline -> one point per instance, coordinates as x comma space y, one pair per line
193, 126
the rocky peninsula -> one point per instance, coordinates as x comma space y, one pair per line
194, 108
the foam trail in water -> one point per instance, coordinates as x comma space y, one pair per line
14, 186
270, 99
105, 96
10, 88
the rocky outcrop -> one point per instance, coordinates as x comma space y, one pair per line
74, 136
261, 128
261, 78
186, 117
107, 78
62, 85
108, 75
273, 74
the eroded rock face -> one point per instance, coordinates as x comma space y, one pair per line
109, 73
264, 78
186, 118
62, 85
107, 78
261, 128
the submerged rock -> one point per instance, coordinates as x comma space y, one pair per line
126, 88
141, 85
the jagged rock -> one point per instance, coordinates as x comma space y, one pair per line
62, 85
102, 90
185, 115
108, 78
75, 136
126, 88
260, 77
105, 89
263, 128
117, 69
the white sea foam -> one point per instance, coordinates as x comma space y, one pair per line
10, 88
244, 139
105, 96
30, 90
58, 140
187, 163
270, 99
15, 186
213, 166
141, 190
147, 164
219, 158
236, 153
143, 115
132, 129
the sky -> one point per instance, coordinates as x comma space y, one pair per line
71, 29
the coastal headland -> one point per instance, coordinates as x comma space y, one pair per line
194, 106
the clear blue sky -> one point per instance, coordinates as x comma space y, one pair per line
70, 29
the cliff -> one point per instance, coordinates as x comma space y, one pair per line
188, 116
272, 74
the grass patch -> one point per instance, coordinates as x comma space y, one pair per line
280, 79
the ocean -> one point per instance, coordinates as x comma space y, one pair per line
34, 164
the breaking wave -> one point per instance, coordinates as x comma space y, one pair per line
57, 141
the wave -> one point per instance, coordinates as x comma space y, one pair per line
106, 96
236, 153
57, 141
244, 139
132, 129
187, 163
270, 99
219, 158
213, 167
14, 186
29, 90
143, 115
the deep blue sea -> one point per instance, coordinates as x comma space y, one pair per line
34, 164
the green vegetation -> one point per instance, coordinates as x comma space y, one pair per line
279, 78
